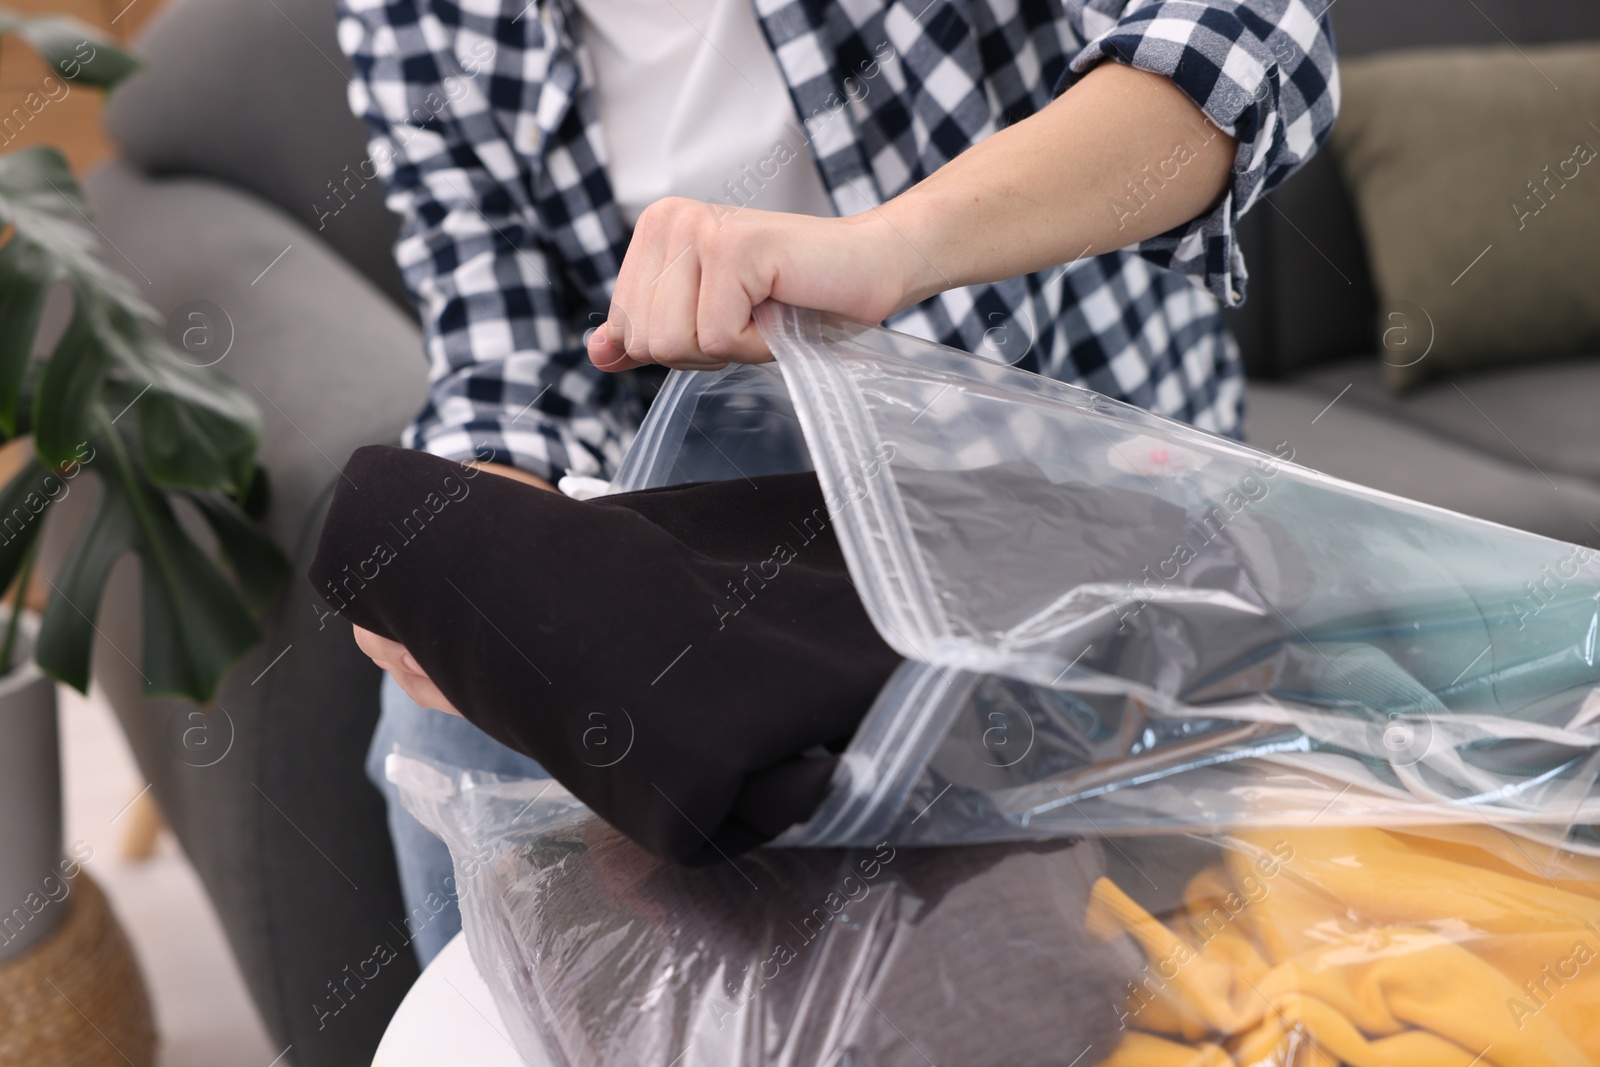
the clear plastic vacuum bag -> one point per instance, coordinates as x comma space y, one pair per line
602, 955
1264, 948
1234, 677
1115, 622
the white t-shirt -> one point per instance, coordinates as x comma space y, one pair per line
693, 104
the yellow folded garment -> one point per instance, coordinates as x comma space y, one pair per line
1368, 948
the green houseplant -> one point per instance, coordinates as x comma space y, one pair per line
160, 436
114, 398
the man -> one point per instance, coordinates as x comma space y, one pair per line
594, 190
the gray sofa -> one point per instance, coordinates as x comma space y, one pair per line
241, 184
1517, 446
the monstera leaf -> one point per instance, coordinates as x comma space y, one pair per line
113, 399
76, 52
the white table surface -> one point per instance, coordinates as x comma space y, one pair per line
448, 1019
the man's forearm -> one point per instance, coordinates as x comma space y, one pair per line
515, 473
1120, 157
1043, 192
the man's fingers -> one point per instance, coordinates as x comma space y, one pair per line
381, 650
657, 301
393, 657
726, 330
628, 321
671, 341
606, 350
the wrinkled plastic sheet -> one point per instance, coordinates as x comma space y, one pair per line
1285, 947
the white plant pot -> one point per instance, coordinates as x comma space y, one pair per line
30, 801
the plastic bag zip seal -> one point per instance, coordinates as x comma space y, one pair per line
828, 412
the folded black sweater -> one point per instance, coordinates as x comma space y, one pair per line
686, 660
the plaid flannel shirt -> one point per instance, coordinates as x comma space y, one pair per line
484, 127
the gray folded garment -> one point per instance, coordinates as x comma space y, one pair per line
969, 957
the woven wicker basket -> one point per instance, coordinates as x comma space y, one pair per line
77, 999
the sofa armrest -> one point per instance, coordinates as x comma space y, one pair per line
269, 799
253, 95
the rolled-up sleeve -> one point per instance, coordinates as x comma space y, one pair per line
1263, 71
510, 380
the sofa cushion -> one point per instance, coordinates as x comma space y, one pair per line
1387, 450
253, 95
1367, 26
1310, 297
1478, 187
1539, 418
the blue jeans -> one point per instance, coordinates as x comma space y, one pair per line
427, 882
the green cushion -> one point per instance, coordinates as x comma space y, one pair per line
1476, 174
